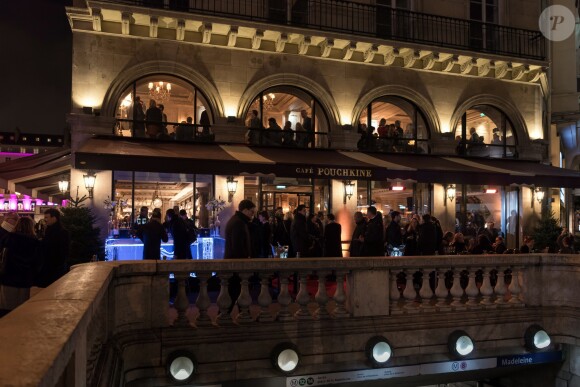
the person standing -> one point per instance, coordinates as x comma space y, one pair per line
299, 233
308, 138
154, 118
137, 114
152, 233
177, 227
373, 240
55, 246
23, 257
254, 125
428, 244
332, 238
394, 235
238, 243
356, 244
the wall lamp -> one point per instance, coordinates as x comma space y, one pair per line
450, 192
63, 185
232, 187
378, 351
348, 190
285, 357
89, 179
460, 344
539, 194
181, 366
536, 338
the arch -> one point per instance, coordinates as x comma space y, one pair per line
318, 92
503, 105
126, 77
411, 95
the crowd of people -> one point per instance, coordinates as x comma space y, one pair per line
388, 138
30, 256
301, 136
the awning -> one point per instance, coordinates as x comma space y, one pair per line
106, 153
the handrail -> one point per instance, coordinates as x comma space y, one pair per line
68, 324
371, 20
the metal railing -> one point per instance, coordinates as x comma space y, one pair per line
369, 20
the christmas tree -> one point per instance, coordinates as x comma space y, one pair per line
546, 232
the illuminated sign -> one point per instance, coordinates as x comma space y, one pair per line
335, 172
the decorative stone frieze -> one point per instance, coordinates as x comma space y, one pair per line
126, 23
429, 60
326, 47
153, 26
97, 17
349, 50
180, 30
281, 42
369, 54
519, 72
206, 30
447, 64
232, 36
257, 39
304, 45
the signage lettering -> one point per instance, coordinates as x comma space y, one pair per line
335, 172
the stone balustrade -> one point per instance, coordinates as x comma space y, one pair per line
62, 332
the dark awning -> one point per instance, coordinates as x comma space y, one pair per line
102, 153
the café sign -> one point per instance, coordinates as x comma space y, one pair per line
343, 173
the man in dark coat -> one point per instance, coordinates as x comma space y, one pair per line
239, 243
428, 244
55, 246
152, 233
301, 240
178, 229
373, 240
332, 238
394, 236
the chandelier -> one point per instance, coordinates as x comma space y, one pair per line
156, 201
160, 91
269, 101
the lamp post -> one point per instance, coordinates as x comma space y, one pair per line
232, 186
348, 190
89, 179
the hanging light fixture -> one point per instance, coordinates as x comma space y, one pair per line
160, 91
63, 185
89, 179
156, 201
348, 189
232, 186
269, 101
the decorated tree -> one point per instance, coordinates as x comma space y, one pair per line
546, 232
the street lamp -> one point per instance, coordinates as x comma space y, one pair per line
89, 179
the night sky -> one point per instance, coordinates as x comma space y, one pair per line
35, 66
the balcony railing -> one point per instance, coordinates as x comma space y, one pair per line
67, 328
370, 20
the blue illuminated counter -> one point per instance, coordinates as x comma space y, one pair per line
131, 249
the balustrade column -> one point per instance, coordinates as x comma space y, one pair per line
471, 290
425, 292
486, 290
284, 299
441, 291
395, 294
203, 301
321, 297
265, 300
410, 293
515, 288
244, 300
303, 298
339, 297
181, 302
500, 288
456, 291
224, 301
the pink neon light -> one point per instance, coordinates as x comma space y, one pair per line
39, 202
15, 154
26, 203
13, 202
64, 203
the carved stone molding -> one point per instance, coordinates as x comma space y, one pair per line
534, 75
349, 50
153, 26
369, 54
304, 45
485, 68
411, 58
390, 56
501, 69
447, 64
467, 66
180, 30
519, 72
232, 36
97, 19
429, 60
257, 39
205, 30
326, 47
126, 23
281, 42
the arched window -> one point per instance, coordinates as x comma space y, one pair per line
287, 116
185, 112
393, 124
485, 131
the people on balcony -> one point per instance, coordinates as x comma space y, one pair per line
206, 134
137, 114
288, 135
153, 118
254, 126
185, 131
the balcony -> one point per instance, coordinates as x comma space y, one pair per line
368, 20
118, 322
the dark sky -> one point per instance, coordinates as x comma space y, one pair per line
35, 66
